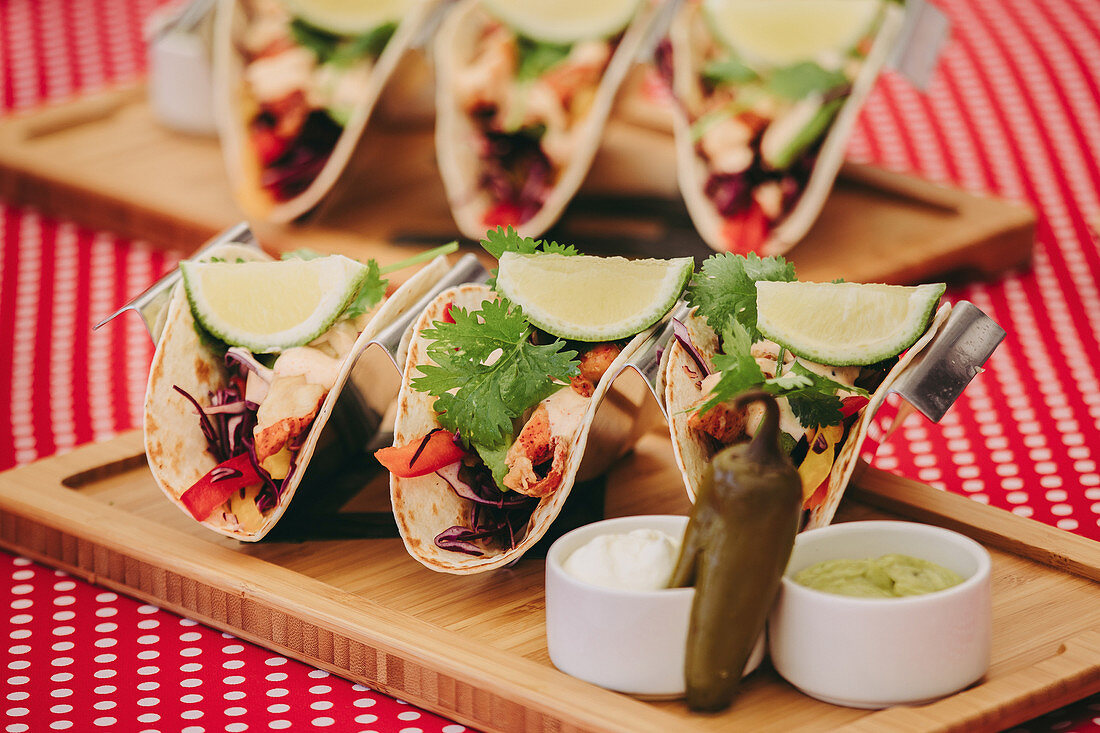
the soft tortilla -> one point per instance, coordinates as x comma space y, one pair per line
231, 112
692, 173
682, 393
426, 505
457, 139
174, 443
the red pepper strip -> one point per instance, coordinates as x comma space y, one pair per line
421, 457
853, 404
503, 214
447, 317
268, 145
215, 488
746, 231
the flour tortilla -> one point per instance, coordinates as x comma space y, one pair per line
425, 506
692, 173
174, 443
232, 111
692, 451
457, 139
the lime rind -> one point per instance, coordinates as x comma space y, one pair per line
342, 278
567, 310
564, 21
761, 32
842, 324
348, 17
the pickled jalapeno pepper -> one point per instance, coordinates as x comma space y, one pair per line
736, 547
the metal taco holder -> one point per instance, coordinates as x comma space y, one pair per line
151, 303
930, 385
920, 40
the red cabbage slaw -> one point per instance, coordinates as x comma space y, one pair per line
494, 515
227, 425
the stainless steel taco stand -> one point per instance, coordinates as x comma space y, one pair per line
151, 303
931, 384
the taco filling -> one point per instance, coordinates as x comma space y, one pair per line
720, 354
504, 464
818, 404
264, 413
302, 84
755, 128
258, 395
526, 100
494, 411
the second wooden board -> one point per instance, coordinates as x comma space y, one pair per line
105, 162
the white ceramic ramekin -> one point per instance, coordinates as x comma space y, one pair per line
628, 641
877, 652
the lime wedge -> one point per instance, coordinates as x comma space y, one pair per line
271, 306
592, 298
564, 21
844, 323
348, 17
784, 32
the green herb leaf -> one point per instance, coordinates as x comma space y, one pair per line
322, 43
487, 372
725, 288
370, 293
494, 459
728, 71
534, 58
369, 45
500, 240
812, 397
341, 50
803, 79
739, 369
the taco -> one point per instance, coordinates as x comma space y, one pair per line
519, 118
295, 85
759, 143
229, 433
492, 421
825, 410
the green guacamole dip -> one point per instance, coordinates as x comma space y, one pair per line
889, 576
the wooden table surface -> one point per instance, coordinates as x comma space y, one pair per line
1012, 110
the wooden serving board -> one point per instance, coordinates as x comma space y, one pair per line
105, 162
473, 648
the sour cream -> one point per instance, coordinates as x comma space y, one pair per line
642, 559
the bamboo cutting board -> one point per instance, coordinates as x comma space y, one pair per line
473, 648
105, 162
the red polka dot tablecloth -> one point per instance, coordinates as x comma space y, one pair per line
1014, 110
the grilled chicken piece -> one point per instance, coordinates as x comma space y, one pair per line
723, 422
535, 446
546, 438
286, 412
594, 363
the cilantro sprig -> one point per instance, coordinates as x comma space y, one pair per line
341, 50
487, 372
800, 80
500, 240
534, 58
374, 286
724, 289
812, 397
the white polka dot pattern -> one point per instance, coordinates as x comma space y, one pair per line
148, 669
1012, 110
